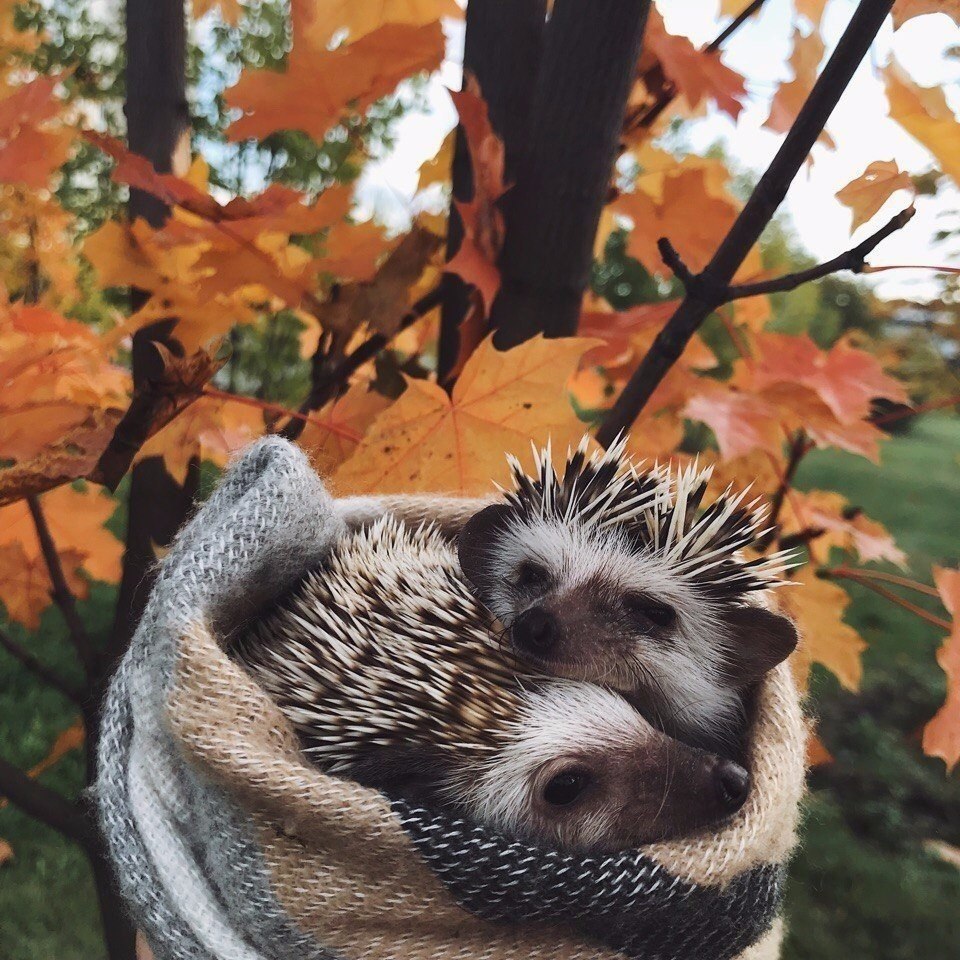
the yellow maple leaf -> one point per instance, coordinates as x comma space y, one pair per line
924, 113
872, 189
817, 606
427, 441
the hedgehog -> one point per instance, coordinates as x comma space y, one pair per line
389, 669
608, 573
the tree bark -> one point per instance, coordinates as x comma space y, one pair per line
502, 51
590, 51
157, 120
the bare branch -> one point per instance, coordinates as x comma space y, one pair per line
741, 18
46, 805
50, 677
62, 594
753, 218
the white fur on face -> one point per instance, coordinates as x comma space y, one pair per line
565, 720
683, 677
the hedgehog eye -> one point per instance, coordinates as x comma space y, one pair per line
649, 611
531, 577
566, 787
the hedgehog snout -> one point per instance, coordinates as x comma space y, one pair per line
535, 632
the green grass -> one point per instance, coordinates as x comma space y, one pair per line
862, 885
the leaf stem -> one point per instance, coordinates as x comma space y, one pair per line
843, 573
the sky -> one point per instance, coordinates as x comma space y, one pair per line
760, 50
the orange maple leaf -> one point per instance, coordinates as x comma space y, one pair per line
689, 213
741, 421
698, 74
792, 94
904, 10
501, 402
319, 85
319, 22
76, 520
872, 189
845, 378
941, 736
334, 432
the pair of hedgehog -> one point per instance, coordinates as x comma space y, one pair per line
568, 664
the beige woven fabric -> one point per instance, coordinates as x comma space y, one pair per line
341, 865
345, 871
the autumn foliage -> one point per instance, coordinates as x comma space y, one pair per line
365, 301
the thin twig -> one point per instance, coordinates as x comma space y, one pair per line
798, 449
277, 408
841, 573
915, 411
337, 379
646, 116
936, 268
733, 26
50, 677
45, 805
853, 259
62, 594
894, 579
740, 239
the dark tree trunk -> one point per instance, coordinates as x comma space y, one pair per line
157, 120
502, 50
590, 50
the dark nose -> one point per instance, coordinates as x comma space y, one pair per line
535, 631
732, 783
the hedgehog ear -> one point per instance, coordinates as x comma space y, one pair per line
760, 640
477, 545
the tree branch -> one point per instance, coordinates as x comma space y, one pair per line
753, 218
41, 670
733, 26
62, 594
326, 388
46, 805
798, 449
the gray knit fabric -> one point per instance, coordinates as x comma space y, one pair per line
251, 540
188, 855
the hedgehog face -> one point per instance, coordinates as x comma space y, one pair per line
592, 604
588, 772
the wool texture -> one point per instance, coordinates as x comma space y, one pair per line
229, 845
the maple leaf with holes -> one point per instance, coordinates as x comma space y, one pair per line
872, 189
941, 736
319, 86
501, 402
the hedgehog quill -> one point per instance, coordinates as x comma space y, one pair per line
388, 667
602, 572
